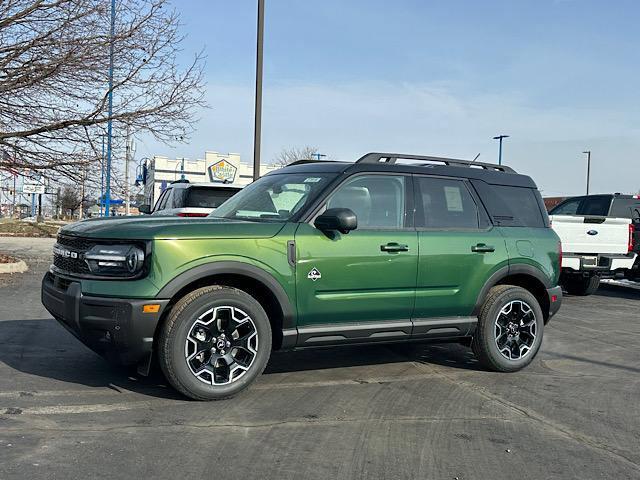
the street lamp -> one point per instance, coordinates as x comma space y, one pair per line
588, 152
500, 137
257, 132
318, 156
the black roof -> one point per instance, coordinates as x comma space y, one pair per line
446, 167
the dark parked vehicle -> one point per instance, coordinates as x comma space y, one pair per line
184, 199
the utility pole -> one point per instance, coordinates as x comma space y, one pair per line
500, 137
110, 122
588, 152
127, 207
13, 208
318, 156
102, 179
84, 179
257, 132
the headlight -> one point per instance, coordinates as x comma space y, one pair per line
115, 260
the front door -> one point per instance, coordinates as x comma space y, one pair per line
361, 284
459, 249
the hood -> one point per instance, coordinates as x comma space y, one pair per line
149, 228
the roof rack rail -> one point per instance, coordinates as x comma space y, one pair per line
306, 160
392, 158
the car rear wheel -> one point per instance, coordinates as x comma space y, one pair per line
509, 331
215, 342
583, 286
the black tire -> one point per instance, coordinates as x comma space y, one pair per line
582, 286
173, 342
484, 343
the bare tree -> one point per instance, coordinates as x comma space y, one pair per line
293, 154
69, 200
54, 59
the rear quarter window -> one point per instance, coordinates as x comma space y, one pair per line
511, 206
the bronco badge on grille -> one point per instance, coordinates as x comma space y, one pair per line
63, 252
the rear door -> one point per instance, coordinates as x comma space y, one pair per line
359, 285
459, 249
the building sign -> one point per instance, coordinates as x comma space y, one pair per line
222, 171
32, 188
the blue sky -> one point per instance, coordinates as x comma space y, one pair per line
430, 77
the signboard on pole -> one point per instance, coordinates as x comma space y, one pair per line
33, 188
222, 171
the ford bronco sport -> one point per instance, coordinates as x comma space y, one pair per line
390, 248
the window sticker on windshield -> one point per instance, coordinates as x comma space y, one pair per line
312, 180
454, 199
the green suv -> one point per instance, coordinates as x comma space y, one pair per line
390, 248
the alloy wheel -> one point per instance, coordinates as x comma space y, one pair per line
221, 345
515, 330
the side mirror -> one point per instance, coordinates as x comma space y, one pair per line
341, 219
146, 209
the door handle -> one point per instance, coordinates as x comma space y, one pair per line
482, 248
394, 247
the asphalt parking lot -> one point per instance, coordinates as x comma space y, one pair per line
410, 411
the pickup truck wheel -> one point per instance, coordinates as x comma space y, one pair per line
582, 286
214, 343
509, 331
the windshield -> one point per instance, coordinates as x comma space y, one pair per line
273, 198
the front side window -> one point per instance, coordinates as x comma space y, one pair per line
276, 197
377, 200
445, 203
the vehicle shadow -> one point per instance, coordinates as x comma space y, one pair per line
617, 291
45, 349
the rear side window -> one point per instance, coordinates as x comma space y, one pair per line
595, 205
444, 203
512, 206
199, 197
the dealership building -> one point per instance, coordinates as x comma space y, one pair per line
225, 169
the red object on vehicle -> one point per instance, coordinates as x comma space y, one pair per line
631, 231
185, 214
560, 254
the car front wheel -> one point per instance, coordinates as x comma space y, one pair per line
215, 342
509, 330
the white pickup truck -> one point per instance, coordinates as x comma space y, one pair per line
593, 246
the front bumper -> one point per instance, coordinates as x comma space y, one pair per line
554, 305
115, 328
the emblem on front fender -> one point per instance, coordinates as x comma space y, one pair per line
314, 274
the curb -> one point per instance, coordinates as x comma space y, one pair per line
16, 267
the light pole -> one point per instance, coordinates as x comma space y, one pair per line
110, 123
318, 156
500, 137
258, 107
588, 152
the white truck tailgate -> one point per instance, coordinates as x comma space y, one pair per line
604, 236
